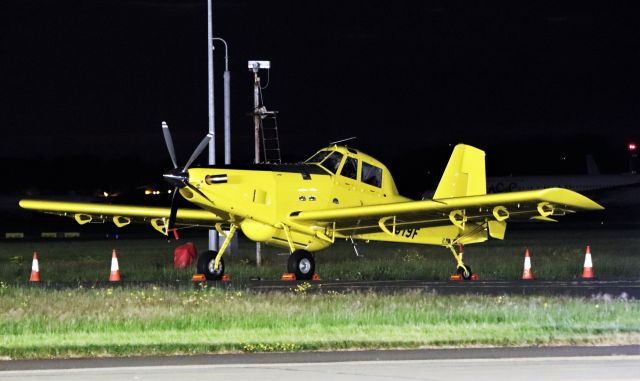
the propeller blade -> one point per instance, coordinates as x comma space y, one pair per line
169, 142
174, 210
198, 151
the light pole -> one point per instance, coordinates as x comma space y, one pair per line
213, 234
227, 116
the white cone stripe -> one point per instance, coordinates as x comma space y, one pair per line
114, 264
34, 266
587, 261
527, 263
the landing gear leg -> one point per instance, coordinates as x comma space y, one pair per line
461, 269
210, 263
300, 262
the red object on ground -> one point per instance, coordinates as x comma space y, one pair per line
587, 272
115, 268
35, 269
184, 255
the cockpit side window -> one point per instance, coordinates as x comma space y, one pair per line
332, 162
371, 175
318, 157
350, 168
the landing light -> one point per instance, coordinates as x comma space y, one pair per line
632, 147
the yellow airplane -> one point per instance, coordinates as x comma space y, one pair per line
338, 193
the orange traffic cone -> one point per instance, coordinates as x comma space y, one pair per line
587, 273
527, 274
35, 269
115, 269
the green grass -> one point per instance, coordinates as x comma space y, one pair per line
41, 323
556, 255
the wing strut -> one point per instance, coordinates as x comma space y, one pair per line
287, 233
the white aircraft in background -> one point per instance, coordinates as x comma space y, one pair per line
593, 180
608, 189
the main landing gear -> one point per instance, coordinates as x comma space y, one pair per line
301, 263
462, 269
206, 265
210, 262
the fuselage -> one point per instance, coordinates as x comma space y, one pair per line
261, 197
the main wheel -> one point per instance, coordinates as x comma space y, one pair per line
466, 273
302, 264
206, 260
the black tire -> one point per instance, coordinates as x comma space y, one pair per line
465, 274
301, 263
206, 260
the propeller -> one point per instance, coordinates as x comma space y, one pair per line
179, 177
169, 142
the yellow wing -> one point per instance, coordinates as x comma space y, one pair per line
538, 204
122, 215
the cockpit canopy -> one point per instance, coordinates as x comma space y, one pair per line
355, 165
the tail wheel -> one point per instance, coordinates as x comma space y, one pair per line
465, 271
301, 263
206, 260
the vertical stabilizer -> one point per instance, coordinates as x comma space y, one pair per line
592, 167
465, 174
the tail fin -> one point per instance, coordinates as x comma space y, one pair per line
592, 167
465, 174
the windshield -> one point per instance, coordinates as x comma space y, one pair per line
318, 157
332, 162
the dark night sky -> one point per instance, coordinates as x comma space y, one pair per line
94, 79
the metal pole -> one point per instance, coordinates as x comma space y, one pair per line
213, 234
227, 117
227, 113
256, 122
256, 115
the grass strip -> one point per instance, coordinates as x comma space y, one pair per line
40, 323
556, 255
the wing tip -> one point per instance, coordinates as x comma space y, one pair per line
25, 203
573, 198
